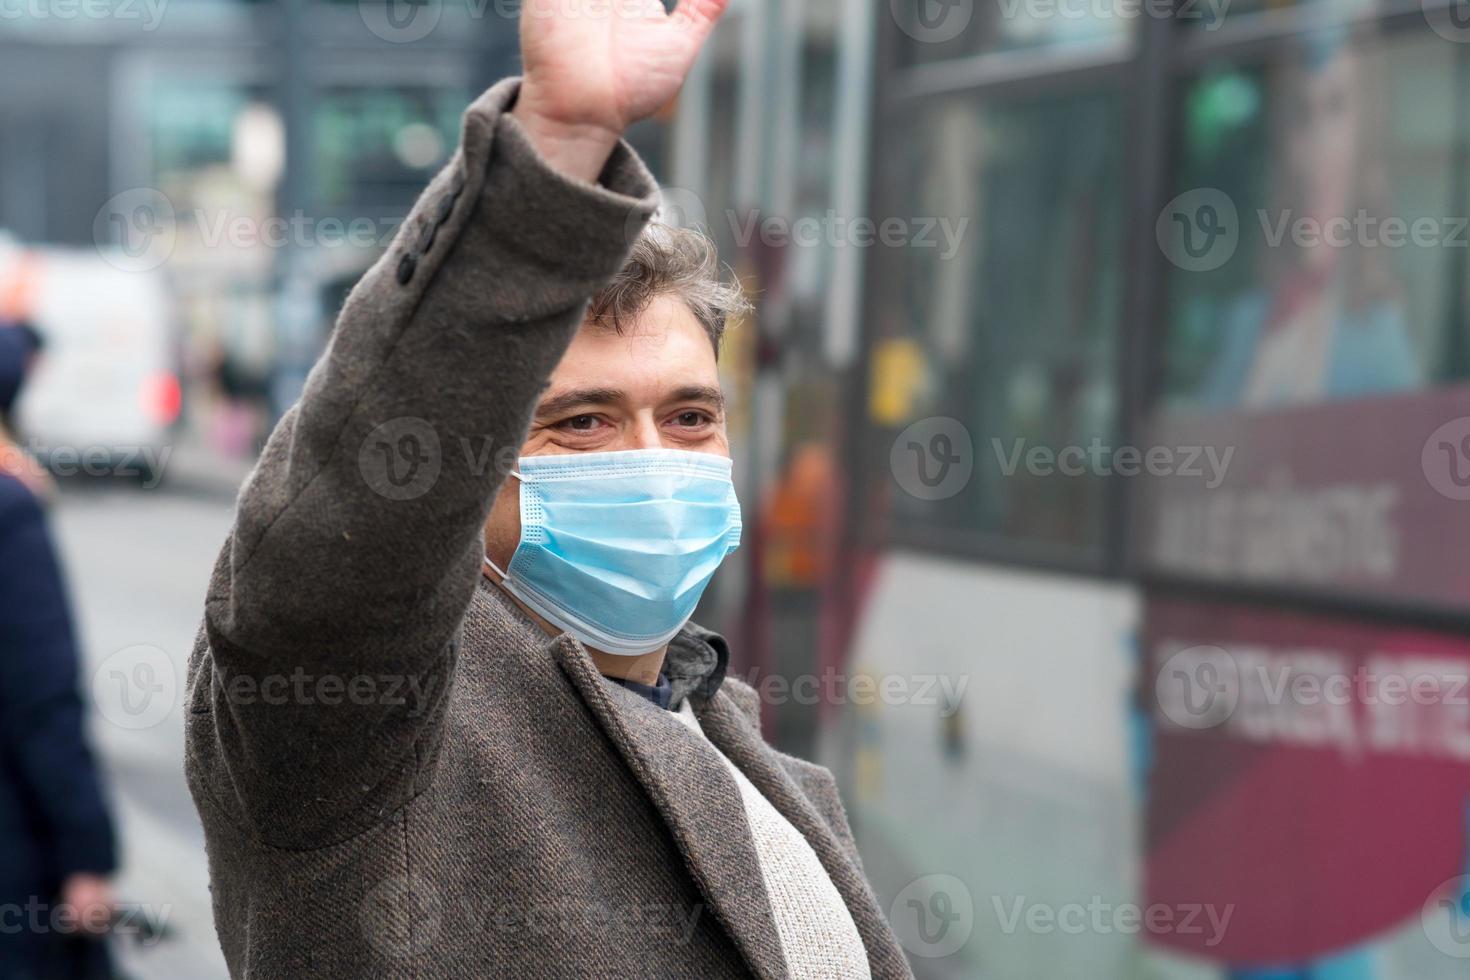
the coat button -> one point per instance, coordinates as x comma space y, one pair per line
406, 268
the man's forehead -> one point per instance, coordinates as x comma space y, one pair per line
657, 350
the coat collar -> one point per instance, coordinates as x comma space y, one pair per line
693, 791
734, 727
698, 799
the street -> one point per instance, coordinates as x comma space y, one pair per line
137, 564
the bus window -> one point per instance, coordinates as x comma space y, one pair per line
1001, 312
1335, 160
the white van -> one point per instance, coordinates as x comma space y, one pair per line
104, 395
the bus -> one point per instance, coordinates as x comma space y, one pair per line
1104, 436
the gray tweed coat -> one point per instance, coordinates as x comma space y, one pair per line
399, 774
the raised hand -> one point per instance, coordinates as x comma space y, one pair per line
594, 67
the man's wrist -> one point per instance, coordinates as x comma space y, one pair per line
578, 150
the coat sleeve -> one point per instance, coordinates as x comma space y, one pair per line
331, 619
41, 713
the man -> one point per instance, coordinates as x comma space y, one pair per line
56, 839
447, 721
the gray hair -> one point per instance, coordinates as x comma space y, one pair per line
678, 262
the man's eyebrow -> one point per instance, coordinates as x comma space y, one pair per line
708, 394
568, 400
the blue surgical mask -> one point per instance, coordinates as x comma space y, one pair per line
616, 548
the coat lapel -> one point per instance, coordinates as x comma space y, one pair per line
729, 728
698, 798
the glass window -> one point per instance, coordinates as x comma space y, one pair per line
377, 147
938, 30
1314, 237
1002, 310
1212, 14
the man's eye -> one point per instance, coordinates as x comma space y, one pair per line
581, 423
692, 418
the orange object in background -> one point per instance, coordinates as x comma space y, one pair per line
18, 287
799, 519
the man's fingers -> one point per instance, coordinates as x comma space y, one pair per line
699, 16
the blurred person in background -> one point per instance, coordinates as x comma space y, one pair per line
56, 837
1328, 320
445, 723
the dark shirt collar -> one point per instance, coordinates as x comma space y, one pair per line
659, 693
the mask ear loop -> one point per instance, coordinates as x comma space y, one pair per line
494, 567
